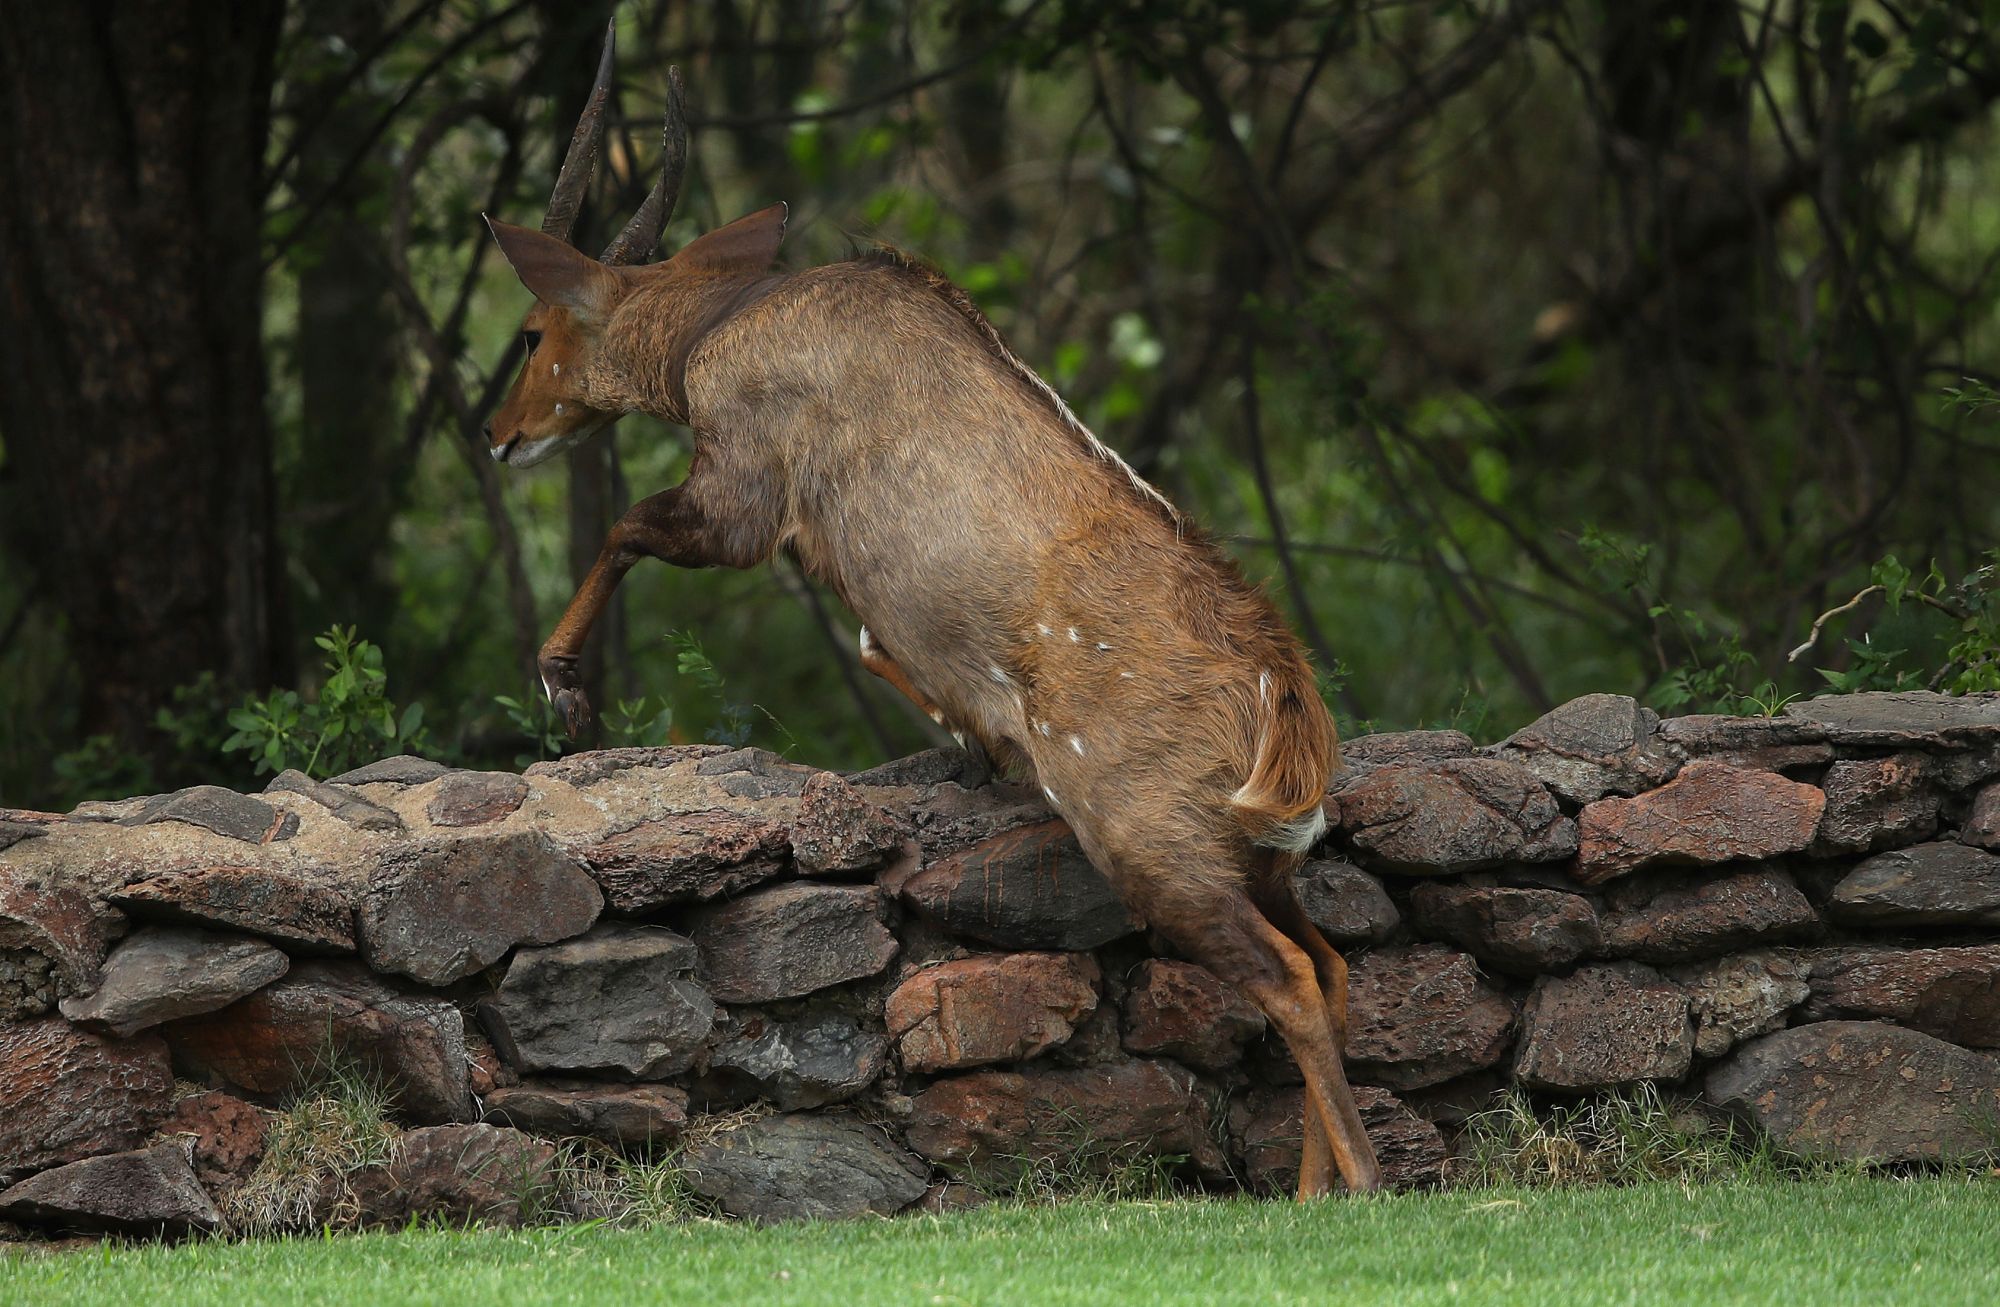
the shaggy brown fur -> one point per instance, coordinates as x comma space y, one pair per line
1018, 577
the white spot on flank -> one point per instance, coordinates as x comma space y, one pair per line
1263, 685
1042, 727
1103, 647
1072, 635
997, 674
1053, 800
1126, 676
1043, 627
555, 369
1076, 742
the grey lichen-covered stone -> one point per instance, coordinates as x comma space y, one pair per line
442, 911
213, 808
1026, 888
837, 831
1517, 929
1268, 1130
57, 921
1878, 803
1605, 1026
1940, 884
754, 773
1459, 814
303, 915
474, 798
633, 1116
13, 832
1862, 1089
404, 769
1752, 743
1386, 747
792, 940
819, 1167
1346, 903
151, 1191
801, 1062
159, 973
1593, 746
1904, 718
695, 856
1734, 998
339, 800
619, 999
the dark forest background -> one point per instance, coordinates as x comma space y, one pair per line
1526, 347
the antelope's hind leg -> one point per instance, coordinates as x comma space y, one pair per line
1233, 939
883, 664
1273, 893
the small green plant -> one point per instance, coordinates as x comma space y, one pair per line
537, 721
350, 721
638, 722
732, 718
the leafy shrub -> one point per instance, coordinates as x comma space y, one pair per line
351, 721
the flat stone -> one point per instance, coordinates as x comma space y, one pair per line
1905, 718
806, 1167
584, 770
1982, 821
807, 1061
1405, 747
224, 812
460, 1175
754, 773
1953, 993
1593, 746
66, 1093
404, 769
1182, 1011
992, 1007
279, 1039
696, 856
1711, 916
1268, 1131
789, 941
925, 768
631, 1116
474, 798
1522, 930
619, 999
1732, 999
1421, 1016
440, 912
1752, 743
1711, 813
1608, 1025
339, 800
56, 921
1925, 885
1026, 888
224, 1134
1862, 1089
838, 832
303, 915
1877, 803
1099, 1117
159, 973
151, 1191
1456, 815
1346, 903
13, 832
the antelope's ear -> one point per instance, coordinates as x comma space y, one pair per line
748, 245
556, 272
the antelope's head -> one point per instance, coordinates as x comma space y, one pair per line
547, 410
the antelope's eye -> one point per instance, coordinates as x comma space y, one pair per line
531, 339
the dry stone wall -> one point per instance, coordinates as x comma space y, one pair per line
848, 994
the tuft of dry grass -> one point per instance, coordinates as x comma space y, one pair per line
1624, 1136
334, 1127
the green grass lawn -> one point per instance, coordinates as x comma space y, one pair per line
1804, 1244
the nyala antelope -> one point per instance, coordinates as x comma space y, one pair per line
1015, 578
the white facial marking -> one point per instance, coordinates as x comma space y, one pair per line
1076, 742
499, 453
559, 410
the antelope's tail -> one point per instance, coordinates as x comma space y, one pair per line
1282, 804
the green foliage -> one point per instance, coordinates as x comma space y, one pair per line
537, 721
731, 721
350, 721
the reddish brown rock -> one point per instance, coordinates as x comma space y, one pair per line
1710, 813
695, 856
627, 1115
303, 915
1403, 747
1593, 746
1604, 1026
1268, 1133
1878, 803
1710, 917
159, 973
1982, 822
473, 798
1108, 1116
66, 1093
837, 831
281, 1037
1953, 993
1181, 1011
1420, 1016
1460, 814
792, 940
152, 1191
460, 1175
1862, 1089
225, 1134
1346, 903
440, 912
1520, 930
993, 1007
1753, 743
1731, 999
57, 922
1924, 885
1027, 888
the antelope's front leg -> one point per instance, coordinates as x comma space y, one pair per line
669, 526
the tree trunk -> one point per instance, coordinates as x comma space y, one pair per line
133, 396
